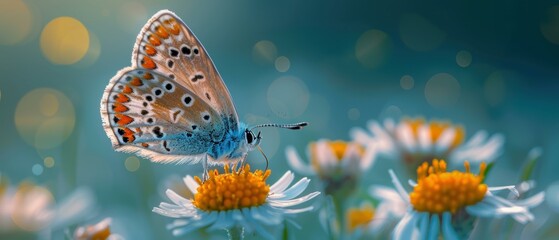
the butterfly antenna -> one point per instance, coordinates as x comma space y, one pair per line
294, 126
260, 149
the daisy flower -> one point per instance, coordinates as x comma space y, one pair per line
414, 141
338, 164
99, 231
32, 208
447, 203
235, 201
367, 220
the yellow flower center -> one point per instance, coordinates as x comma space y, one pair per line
437, 128
439, 191
232, 189
358, 217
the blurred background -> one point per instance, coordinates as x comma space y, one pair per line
491, 65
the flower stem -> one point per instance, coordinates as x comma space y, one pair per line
236, 233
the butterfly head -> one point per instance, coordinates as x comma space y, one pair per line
252, 141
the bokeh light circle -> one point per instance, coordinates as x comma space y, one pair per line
442, 90
550, 28
48, 162
282, 64
45, 118
419, 34
372, 48
132, 163
15, 21
406, 82
64, 40
37, 169
264, 51
288, 97
463, 58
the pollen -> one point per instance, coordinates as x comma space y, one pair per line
439, 191
359, 217
232, 189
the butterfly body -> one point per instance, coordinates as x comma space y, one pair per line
171, 104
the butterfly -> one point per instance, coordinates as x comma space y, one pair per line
171, 105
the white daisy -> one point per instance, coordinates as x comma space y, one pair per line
234, 200
337, 163
99, 231
32, 208
414, 141
444, 202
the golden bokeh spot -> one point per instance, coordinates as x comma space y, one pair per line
232, 189
132, 163
436, 128
15, 21
45, 118
48, 162
439, 191
264, 51
359, 217
64, 40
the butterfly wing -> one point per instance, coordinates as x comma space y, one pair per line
149, 114
167, 46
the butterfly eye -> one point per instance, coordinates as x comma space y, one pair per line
249, 136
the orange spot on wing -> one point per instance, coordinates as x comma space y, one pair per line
148, 76
150, 50
136, 81
119, 107
148, 63
122, 98
154, 40
160, 31
124, 119
145, 145
127, 89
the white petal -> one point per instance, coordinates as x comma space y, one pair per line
424, 225
293, 202
262, 214
476, 140
224, 221
424, 138
434, 227
448, 230
532, 201
369, 157
177, 199
295, 162
400, 189
384, 193
202, 222
445, 140
282, 183
405, 137
191, 184
511, 188
359, 135
298, 210
293, 191
406, 228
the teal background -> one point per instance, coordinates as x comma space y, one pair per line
319, 38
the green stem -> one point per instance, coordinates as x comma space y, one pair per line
236, 233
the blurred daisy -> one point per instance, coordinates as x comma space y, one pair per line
367, 220
414, 141
236, 201
32, 208
446, 202
338, 164
99, 231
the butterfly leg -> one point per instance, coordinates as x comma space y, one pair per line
205, 175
